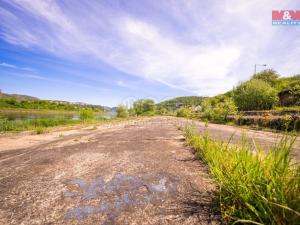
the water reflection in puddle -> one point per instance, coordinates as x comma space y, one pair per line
119, 194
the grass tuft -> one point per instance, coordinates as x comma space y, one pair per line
40, 130
255, 186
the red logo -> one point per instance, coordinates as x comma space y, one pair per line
286, 15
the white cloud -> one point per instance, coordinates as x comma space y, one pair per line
122, 84
8, 65
158, 57
3, 64
210, 48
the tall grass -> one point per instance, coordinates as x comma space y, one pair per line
7, 125
86, 114
261, 187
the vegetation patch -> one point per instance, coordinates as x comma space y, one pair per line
37, 124
175, 103
255, 94
184, 112
86, 114
255, 187
8, 101
122, 111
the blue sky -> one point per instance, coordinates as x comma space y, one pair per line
111, 52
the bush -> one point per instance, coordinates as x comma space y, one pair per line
260, 188
86, 114
283, 123
122, 111
144, 107
163, 111
255, 95
40, 130
184, 112
218, 108
131, 112
269, 76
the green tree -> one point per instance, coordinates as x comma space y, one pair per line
144, 107
186, 101
218, 108
122, 111
131, 112
255, 94
269, 76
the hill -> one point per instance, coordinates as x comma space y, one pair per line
17, 101
17, 97
185, 101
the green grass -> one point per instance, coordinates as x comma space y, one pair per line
291, 108
40, 125
260, 187
37, 124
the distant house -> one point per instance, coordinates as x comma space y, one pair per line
289, 97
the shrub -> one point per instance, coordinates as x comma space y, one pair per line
260, 188
144, 107
184, 112
122, 111
255, 95
218, 109
86, 114
283, 123
40, 130
131, 112
163, 111
269, 76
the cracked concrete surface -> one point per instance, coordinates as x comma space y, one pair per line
137, 172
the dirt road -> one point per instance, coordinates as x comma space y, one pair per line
140, 172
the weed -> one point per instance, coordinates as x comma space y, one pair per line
7, 125
40, 130
260, 188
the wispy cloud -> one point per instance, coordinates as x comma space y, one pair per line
197, 46
123, 84
45, 78
7, 65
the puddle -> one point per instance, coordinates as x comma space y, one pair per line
119, 194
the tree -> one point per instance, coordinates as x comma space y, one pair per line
218, 108
255, 94
269, 76
186, 101
144, 107
122, 111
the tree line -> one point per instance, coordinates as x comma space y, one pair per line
260, 92
13, 103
